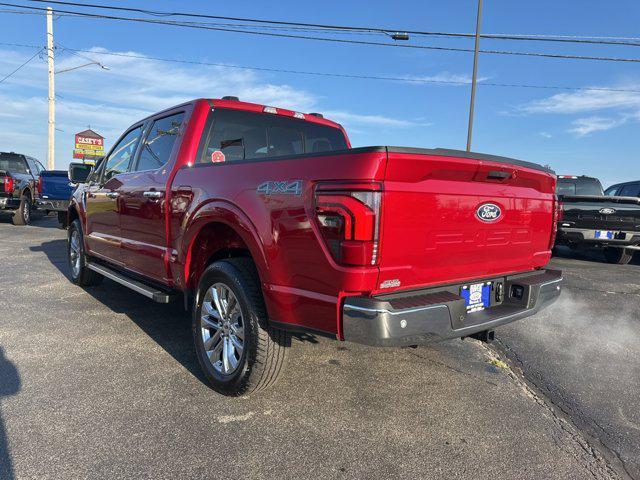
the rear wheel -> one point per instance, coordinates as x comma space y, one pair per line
80, 274
621, 256
22, 216
238, 352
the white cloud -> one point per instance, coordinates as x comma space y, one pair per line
621, 107
585, 126
446, 77
111, 100
348, 119
585, 101
545, 134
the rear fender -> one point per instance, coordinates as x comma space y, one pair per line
228, 214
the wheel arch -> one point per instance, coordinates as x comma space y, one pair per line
219, 230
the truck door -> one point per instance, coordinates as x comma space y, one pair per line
144, 199
103, 235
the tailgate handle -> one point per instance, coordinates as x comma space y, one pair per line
498, 175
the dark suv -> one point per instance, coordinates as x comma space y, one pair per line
19, 185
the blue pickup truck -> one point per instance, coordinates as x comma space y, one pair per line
55, 193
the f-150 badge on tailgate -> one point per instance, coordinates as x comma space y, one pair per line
282, 188
488, 212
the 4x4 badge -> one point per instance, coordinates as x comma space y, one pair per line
282, 188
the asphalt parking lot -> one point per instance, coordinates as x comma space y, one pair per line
103, 383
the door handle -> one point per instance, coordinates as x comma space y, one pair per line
153, 194
113, 194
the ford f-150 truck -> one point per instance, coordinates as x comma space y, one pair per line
266, 222
589, 218
55, 191
19, 185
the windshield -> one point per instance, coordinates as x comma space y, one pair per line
579, 186
10, 162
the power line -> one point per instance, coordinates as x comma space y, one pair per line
353, 76
416, 80
346, 29
31, 58
340, 40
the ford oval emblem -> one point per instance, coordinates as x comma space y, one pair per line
489, 212
607, 211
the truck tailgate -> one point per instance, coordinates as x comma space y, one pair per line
55, 185
432, 232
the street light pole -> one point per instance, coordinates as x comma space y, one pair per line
475, 76
52, 93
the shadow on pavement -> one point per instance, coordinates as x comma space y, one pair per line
37, 220
588, 255
9, 385
168, 325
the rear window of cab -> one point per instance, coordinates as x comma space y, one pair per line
232, 135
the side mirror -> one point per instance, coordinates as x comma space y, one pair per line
78, 172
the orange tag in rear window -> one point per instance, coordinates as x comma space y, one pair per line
217, 157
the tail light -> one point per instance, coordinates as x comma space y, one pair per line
39, 185
349, 220
557, 216
8, 184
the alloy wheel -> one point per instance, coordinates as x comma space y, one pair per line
222, 328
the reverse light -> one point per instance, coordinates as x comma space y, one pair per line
8, 184
348, 216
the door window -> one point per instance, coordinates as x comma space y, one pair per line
120, 157
157, 147
632, 190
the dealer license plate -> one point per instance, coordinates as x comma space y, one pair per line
604, 234
477, 296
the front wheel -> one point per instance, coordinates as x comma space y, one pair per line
238, 352
80, 274
621, 256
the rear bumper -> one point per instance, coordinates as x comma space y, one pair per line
572, 235
421, 317
53, 205
9, 203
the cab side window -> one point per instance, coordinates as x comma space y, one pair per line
157, 147
120, 157
631, 190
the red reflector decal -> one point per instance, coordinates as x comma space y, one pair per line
217, 157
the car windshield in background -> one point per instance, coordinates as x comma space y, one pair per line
12, 163
579, 186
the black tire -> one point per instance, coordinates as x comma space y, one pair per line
621, 256
62, 219
265, 348
80, 275
22, 216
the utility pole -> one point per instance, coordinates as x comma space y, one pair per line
475, 76
52, 93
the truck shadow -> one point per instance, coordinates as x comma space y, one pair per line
168, 325
9, 385
588, 254
37, 221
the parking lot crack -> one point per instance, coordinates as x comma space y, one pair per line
603, 460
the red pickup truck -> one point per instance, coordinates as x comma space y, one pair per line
267, 222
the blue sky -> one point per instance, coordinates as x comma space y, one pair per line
576, 132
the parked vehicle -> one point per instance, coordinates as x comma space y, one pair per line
267, 222
591, 218
627, 189
19, 185
55, 191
